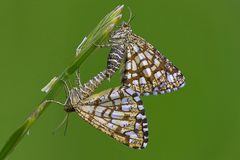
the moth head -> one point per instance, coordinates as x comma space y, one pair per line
123, 31
126, 27
72, 101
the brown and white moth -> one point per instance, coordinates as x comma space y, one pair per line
146, 70
118, 112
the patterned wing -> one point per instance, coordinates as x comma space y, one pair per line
147, 71
119, 113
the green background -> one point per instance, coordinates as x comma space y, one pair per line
200, 122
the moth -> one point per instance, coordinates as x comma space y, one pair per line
118, 112
146, 70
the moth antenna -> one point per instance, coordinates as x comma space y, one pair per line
65, 120
130, 15
66, 126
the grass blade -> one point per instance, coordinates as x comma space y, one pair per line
98, 34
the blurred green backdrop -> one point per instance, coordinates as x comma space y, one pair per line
200, 122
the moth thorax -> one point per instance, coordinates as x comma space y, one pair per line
74, 97
84, 95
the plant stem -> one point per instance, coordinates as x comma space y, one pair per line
96, 36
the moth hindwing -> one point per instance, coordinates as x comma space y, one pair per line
146, 70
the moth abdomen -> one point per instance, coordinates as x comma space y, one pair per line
115, 59
87, 89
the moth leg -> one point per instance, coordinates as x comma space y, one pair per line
54, 101
66, 88
67, 92
78, 80
108, 45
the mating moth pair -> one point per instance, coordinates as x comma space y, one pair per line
119, 112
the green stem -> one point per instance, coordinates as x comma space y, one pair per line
96, 36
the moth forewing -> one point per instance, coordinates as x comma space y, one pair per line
119, 113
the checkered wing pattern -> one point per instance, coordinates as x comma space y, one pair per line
119, 113
147, 71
